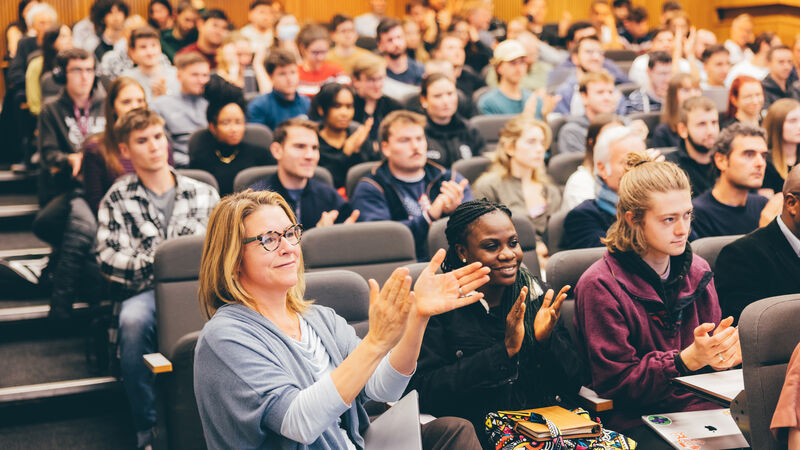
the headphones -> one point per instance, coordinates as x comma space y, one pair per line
60, 71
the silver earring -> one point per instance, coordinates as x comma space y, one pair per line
464, 260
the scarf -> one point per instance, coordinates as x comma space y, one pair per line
605, 198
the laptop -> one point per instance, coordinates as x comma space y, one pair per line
720, 386
699, 430
397, 428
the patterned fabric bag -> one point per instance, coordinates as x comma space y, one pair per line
500, 428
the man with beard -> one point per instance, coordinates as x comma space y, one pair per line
392, 45
739, 159
698, 127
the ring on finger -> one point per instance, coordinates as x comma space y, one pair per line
719, 355
460, 292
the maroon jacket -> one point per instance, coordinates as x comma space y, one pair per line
630, 342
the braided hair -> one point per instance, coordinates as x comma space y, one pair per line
456, 232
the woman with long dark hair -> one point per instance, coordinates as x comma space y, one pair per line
39, 82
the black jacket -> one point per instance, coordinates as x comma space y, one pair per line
585, 225
383, 107
774, 92
700, 177
316, 198
759, 265
456, 140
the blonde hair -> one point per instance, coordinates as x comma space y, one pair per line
643, 176
223, 65
223, 248
509, 135
773, 123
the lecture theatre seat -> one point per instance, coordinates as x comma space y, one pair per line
709, 247
200, 175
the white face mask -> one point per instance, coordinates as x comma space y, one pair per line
288, 32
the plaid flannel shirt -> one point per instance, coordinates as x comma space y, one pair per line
129, 227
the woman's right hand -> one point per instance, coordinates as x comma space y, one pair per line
720, 350
515, 325
388, 309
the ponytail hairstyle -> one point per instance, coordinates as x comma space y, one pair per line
643, 176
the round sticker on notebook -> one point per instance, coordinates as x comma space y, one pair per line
659, 420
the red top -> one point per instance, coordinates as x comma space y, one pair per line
210, 57
310, 82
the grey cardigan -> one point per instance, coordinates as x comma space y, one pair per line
247, 373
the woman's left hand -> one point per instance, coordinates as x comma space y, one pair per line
440, 293
547, 316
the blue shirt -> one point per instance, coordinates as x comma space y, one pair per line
412, 75
273, 108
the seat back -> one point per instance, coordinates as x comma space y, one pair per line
708, 248
555, 231
489, 125
472, 168
247, 177
200, 175
371, 249
621, 55
356, 173
626, 88
651, 119
768, 333
257, 134
345, 291
561, 166
566, 267
555, 127
181, 417
176, 268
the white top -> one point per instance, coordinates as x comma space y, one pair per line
258, 39
746, 67
367, 24
579, 187
638, 71
736, 52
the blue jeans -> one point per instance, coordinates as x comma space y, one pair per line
137, 337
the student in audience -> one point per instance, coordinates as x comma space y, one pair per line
599, 97
139, 212
392, 46
109, 23
450, 137
18, 30
314, 71
586, 224
783, 138
415, 47
295, 146
757, 66
765, 263
651, 96
118, 59
703, 40
450, 47
739, 158
405, 187
517, 176
536, 76
509, 351
227, 153
40, 17
635, 33
345, 53
366, 24
716, 65
341, 144
741, 36
157, 77
284, 102
778, 83
681, 87
603, 20
698, 127
183, 32
369, 74
260, 23
509, 97
581, 184
745, 101
212, 27
234, 64
39, 83
159, 15
785, 424
185, 113
286, 29
564, 71
646, 311
478, 54
289, 373
65, 123
534, 13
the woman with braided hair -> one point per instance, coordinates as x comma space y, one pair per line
506, 351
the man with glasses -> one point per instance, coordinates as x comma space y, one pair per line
369, 75
345, 52
295, 146
766, 262
140, 211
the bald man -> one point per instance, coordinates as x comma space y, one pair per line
766, 262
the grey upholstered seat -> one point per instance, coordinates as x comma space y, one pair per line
200, 175
472, 168
371, 249
247, 177
345, 291
489, 125
555, 231
356, 173
561, 166
525, 231
651, 119
708, 248
768, 332
565, 268
555, 126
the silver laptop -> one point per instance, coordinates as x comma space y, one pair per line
701, 430
397, 428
